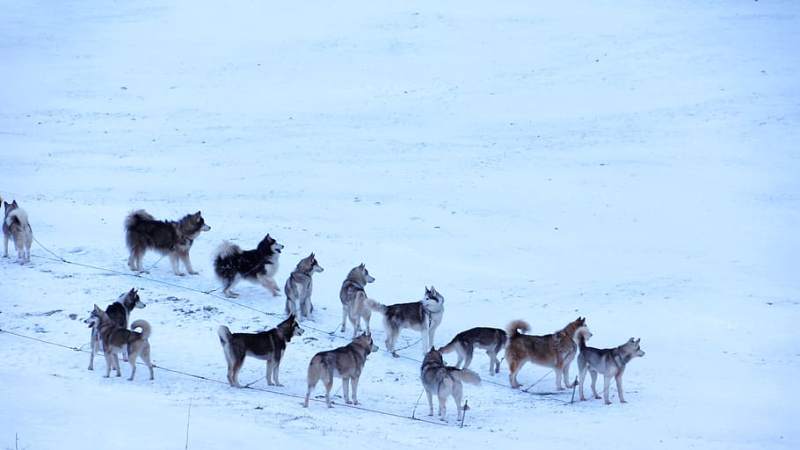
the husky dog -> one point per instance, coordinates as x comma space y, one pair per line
555, 350
259, 265
298, 287
354, 298
118, 312
610, 362
444, 381
490, 339
143, 232
17, 227
344, 362
265, 345
423, 316
116, 338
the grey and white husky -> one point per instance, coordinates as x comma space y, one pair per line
354, 298
344, 362
611, 362
490, 339
17, 227
116, 338
174, 238
266, 345
444, 381
298, 287
423, 316
119, 312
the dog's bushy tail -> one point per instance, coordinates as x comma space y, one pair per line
375, 306
145, 326
135, 217
224, 335
17, 220
517, 327
449, 347
226, 249
467, 376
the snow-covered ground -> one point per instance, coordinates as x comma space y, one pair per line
633, 162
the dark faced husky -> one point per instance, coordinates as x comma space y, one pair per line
344, 362
490, 339
444, 381
266, 345
555, 351
354, 298
17, 227
298, 287
610, 362
423, 316
174, 238
258, 265
119, 312
116, 339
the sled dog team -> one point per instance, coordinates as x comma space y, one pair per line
109, 327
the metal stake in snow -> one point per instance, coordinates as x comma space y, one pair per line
574, 385
188, 416
414, 411
464, 414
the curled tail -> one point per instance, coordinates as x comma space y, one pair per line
17, 220
224, 335
517, 327
135, 217
144, 325
467, 376
226, 249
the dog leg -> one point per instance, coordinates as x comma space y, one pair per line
457, 396
132, 362
468, 359
5, 243
268, 283
95, 346
275, 369
188, 263
116, 363
594, 382
146, 359
460, 360
390, 338
328, 386
559, 386
173, 260
514, 367
430, 402
619, 388
606, 383
269, 372
237, 365
109, 363
581, 379
442, 407
346, 390
354, 383
345, 315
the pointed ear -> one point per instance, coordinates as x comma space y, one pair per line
97, 308
361, 265
312, 254
14, 203
638, 340
198, 213
432, 349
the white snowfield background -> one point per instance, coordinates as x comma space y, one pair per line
632, 162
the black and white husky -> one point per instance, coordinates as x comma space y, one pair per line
174, 238
464, 344
119, 313
423, 316
258, 266
17, 227
298, 287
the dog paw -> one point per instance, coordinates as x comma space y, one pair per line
348, 402
395, 355
180, 274
278, 385
607, 403
194, 272
356, 403
623, 401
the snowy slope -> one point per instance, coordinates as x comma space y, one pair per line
631, 162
